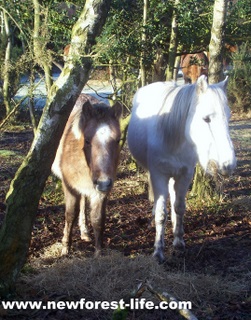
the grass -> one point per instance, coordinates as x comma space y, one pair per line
114, 277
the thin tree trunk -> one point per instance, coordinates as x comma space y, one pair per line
142, 62
216, 42
31, 102
159, 66
39, 47
1, 23
27, 186
113, 79
6, 77
173, 45
176, 68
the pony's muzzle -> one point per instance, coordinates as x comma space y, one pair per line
103, 185
225, 170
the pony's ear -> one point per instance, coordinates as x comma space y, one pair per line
201, 84
223, 84
81, 117
117, 110
87, 111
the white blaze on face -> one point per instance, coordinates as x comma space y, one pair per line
102, 137
103, 134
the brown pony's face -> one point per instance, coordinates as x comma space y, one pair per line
101, 144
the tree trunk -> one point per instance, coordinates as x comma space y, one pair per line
143, 54
173, 45
113, 79
6, 76
27, 186
159, 66
216, 42
31, 102
39, 46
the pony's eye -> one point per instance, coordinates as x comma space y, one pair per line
207, 119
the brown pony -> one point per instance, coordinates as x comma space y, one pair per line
194, 65
86, 162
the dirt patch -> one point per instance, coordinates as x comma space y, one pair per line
214, 272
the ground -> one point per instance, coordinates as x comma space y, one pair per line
214, 272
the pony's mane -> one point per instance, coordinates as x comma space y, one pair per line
173, 114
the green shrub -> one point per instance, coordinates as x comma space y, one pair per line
239, 88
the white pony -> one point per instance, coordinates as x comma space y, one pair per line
171, 128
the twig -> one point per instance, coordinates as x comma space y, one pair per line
12, 112
145, 286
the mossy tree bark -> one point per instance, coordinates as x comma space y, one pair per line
27, 186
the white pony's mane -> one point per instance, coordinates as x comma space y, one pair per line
176, 107
174, 112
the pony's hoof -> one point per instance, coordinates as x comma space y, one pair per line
179, 245
85, 236
159, 257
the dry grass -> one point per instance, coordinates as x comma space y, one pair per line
113, 277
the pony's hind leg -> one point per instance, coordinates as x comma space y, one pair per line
72, 202
83, 221
177, 190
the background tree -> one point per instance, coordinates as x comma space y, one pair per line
39, 44
6, 70
240, 77
27, 186
216, 45
238, 22
119, 45
50, 30
172, 45
194, 20
144, 40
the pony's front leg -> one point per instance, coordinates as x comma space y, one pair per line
177, 189
83, 221
97, 215
71, 211
160, 189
